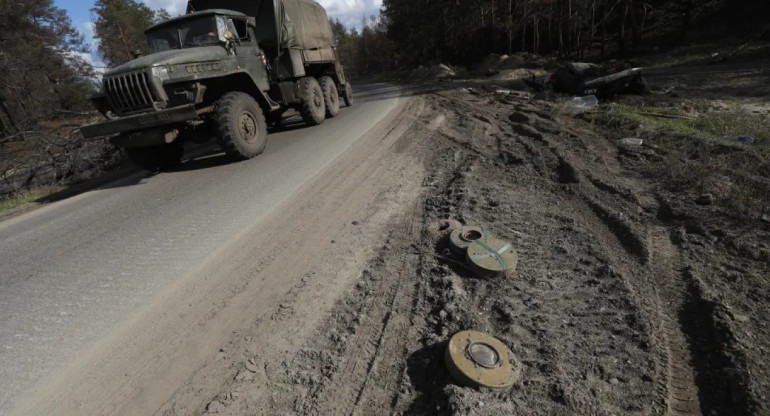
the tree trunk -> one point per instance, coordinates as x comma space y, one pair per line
636, 35
126, 43
686, 19
622, 29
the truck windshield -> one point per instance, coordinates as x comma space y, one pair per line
187, 34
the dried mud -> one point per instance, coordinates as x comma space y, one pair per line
628, 299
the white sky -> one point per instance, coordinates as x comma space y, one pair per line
350, 12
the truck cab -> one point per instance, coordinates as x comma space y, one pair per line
207, 75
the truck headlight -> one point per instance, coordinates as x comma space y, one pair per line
161, 72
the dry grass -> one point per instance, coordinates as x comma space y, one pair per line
701, 154
26, 197
724, 126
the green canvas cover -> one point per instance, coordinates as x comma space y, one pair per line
311, 24
281, 24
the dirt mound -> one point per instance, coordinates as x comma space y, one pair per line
487, 65
511, 62
512, 74
432, 73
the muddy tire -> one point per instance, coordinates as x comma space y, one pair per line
312, 107
157, 158
240, 126
347, 95
331, 96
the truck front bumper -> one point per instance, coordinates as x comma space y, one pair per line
141, 121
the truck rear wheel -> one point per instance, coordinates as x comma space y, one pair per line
240, 126
331, 96
347, 95
312, 107
155, 158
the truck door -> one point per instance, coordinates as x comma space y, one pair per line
249, 56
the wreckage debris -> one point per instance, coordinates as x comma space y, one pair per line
580, 79
476, 359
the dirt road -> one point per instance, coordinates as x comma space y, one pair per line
629, 298
112, 300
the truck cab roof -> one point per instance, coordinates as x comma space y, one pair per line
193, 15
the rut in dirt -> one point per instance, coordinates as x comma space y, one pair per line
679, 376
606, 311
681, 324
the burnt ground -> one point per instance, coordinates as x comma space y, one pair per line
629, 297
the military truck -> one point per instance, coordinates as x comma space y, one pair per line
226, 72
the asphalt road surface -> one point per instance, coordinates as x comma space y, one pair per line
73, 271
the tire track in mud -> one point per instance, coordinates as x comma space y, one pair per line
676, 372
380, 343
681, 389
382, 322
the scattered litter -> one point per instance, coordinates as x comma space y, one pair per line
460, 239
739, 139
492, 257
632, 142
579, 105
476, 359
705, 199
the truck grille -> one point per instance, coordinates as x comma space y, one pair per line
130, 92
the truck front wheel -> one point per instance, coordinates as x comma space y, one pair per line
240, 126
331, 96
155, 158
312, 107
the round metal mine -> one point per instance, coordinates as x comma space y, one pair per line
461, 238
492, 257
476, 359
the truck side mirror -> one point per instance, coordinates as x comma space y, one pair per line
229, 36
